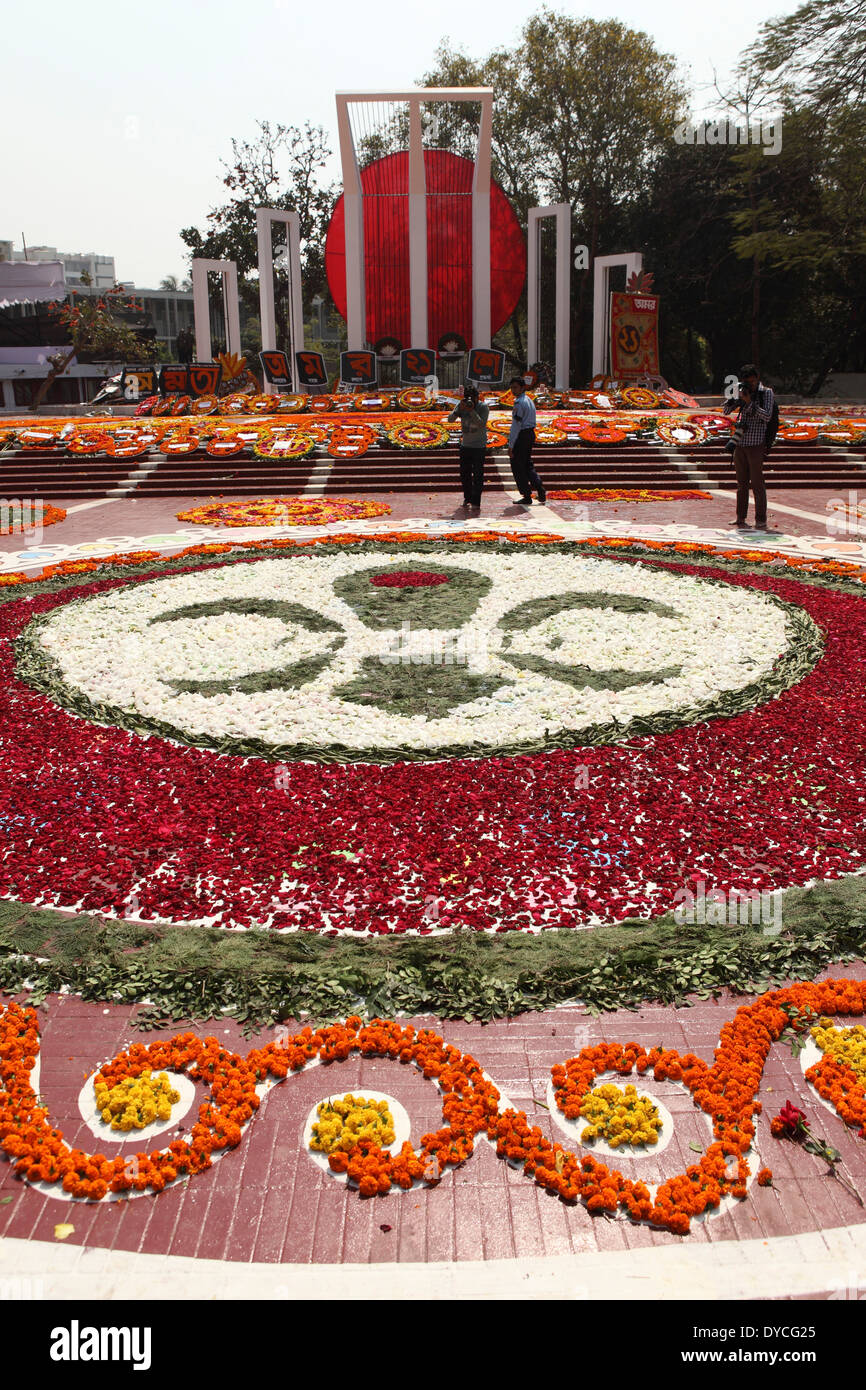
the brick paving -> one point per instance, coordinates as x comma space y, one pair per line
140, 517
268, 1202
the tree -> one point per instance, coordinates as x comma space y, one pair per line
93, 327
171, 282
820, 48
581, 108
281, 168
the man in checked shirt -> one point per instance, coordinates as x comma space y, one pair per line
755, 405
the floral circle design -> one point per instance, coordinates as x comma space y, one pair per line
284, 511
103, 819
289, 655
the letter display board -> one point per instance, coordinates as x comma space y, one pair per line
486, 366
634, 334
275, 366
311, 369
137, 382
416, 364
358, 369
205, 378
174, 379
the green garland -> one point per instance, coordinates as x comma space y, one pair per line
261, 977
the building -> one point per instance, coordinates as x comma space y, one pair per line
75, 263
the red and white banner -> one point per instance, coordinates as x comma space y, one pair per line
634, 335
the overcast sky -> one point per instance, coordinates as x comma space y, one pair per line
116, 117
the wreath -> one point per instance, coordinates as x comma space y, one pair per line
713, 424
323, 404
179, 443
681, 434
146, 407
549, 434
451, 345
496, 439
163, 405
798, 431
236, 404
350, 441
417, 434
283, 446
180, 405
225, 444
39, 439
842, 434
375, 402
263, 404
601, 433
204, 405
130, 446
414, 398
88, 442
641, 397
290, 405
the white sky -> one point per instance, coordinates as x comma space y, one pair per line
115, 117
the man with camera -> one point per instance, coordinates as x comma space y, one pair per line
473, 443
755, 403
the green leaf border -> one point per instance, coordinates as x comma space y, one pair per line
37, 669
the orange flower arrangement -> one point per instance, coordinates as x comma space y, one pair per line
842, 568
726, 1091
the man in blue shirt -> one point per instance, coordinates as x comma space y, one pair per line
520, 441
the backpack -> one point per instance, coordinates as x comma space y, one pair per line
772, 424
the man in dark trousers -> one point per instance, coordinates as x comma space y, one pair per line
755, 404
520, 442
473, 443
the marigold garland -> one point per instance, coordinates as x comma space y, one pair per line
726, 1091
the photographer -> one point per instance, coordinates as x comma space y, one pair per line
755, 403
473, 443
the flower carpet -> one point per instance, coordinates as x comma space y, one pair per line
557, 696
425, 777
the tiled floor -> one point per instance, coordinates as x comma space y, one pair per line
268, 1202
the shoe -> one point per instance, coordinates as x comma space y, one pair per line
542, 496
527, 501
740, 526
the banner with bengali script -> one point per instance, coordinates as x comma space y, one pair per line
634, 334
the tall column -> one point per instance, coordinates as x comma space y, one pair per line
481, 325
417, 230
353, 206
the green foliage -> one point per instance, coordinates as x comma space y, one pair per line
280, 168
260, 977
821, 49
